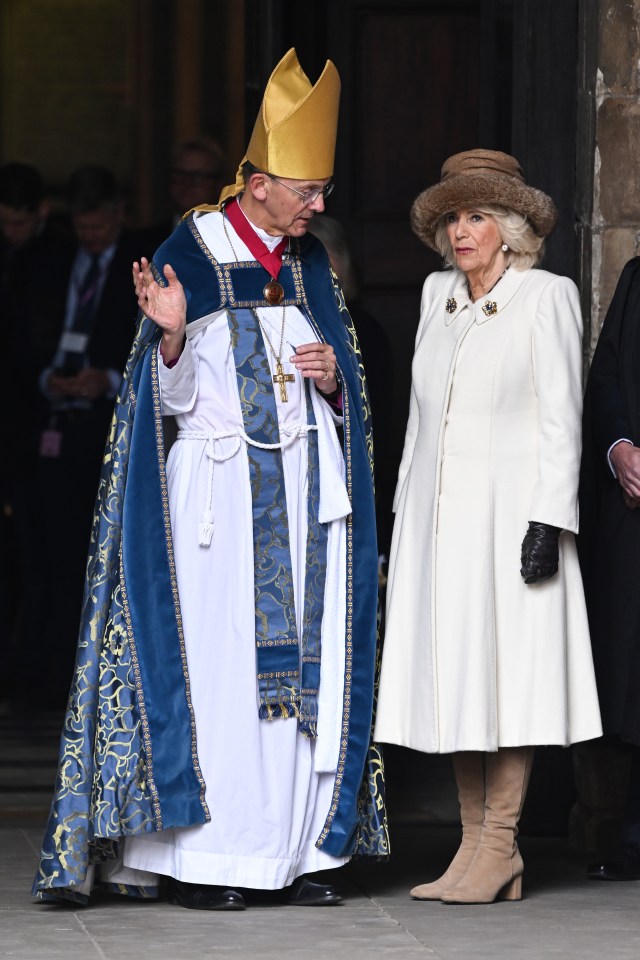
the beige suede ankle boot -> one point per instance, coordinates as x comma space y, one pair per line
469, 773
496, 869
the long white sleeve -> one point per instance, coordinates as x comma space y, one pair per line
179, 384
557, 370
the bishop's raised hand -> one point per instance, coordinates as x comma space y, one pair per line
165, 305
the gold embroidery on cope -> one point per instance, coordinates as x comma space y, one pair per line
346, 714
144, 722
157, 407
212, 260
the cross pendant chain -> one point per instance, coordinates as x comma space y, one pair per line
282, 379
279, 377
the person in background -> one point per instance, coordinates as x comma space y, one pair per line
78, 386
197, 174
196, 177
24, 209
32, 254
34, 247
487, 648
609, 546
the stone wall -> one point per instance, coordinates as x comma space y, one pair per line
615, 217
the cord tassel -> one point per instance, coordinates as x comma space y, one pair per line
205, 531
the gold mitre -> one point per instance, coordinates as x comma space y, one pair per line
295, 132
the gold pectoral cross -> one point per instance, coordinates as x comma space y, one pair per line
282, 379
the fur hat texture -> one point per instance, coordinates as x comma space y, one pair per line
478, 177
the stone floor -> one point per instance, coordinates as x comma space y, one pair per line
562, 915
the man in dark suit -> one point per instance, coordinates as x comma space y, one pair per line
609, 546
34, 251
79, 385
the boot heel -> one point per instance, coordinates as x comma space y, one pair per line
512, 890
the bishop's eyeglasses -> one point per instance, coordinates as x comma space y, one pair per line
309, 196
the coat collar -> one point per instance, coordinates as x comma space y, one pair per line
457, 297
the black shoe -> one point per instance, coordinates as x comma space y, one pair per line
306, 893
200, 896
623, 864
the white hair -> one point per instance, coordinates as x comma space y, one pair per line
526, 248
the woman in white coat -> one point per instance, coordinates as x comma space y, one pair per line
487, 648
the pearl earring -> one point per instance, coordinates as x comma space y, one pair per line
504, 247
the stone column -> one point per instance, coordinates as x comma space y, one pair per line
615, 215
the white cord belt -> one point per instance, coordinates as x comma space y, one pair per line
212, 438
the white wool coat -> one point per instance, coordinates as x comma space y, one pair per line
474, 658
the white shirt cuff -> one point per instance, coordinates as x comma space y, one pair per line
615, 444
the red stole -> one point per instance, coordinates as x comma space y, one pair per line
271, 260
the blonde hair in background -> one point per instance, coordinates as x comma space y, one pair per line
332, 235
526, 248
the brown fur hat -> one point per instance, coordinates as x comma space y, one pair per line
478, 177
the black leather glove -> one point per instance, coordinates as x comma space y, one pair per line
539, 552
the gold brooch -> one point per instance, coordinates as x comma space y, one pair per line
489, 307
452, 305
